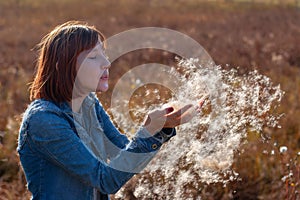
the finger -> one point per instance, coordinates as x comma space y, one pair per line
202, 100
162, 112
198, 109
179, 112
169, 110
183, 118
187, 116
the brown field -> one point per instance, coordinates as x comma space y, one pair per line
252, 36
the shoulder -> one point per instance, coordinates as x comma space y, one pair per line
41, 116
42, 110
41, 105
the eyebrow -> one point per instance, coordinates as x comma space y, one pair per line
96, 49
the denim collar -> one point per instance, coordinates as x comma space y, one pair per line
87, 125
87, 103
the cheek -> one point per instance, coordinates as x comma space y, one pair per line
88, 75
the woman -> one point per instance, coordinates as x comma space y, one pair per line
68, 146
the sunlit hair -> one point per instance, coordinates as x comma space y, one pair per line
56, 64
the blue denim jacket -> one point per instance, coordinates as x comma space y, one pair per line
59, 165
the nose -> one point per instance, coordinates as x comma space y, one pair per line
106, 64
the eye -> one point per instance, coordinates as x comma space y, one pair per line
92, 57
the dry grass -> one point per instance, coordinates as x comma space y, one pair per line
251, 36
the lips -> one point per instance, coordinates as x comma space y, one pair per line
104, 77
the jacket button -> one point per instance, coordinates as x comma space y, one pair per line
154, 146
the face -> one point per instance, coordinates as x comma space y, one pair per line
92, 70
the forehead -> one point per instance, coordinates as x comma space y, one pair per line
98, 47
99, 44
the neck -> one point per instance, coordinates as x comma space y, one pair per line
76, 103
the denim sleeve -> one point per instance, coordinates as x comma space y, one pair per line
53, 138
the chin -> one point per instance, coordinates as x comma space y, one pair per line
102, 89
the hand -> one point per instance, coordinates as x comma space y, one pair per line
201, 102
168, 118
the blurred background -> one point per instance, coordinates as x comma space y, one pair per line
254, 34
